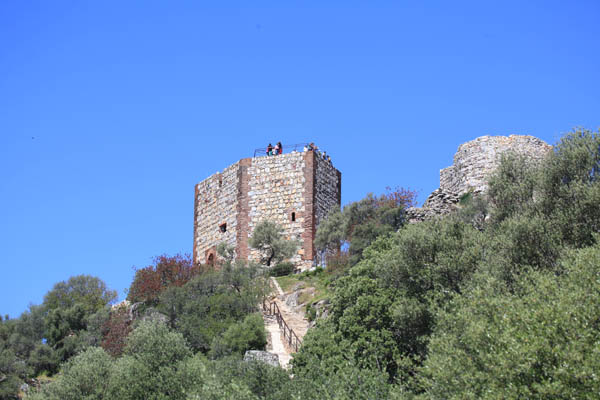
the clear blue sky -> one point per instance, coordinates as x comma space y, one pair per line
111, 111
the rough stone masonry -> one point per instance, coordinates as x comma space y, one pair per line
295, 190
474, 161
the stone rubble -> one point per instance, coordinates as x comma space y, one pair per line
262, 356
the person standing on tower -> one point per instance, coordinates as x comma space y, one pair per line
279, 148
270, 150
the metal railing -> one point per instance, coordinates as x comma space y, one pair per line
288, 333
286, 149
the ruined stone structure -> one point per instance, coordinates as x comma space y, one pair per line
295, 190
473, 163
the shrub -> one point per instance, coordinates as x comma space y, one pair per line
205, 307
338, 263
238, 338
115, 331
311, 312
538, 341
167, 271
149, 368
85, 376
281, 269
13, 371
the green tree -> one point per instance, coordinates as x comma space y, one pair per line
85, 376
250, 334
511, 186
361, 222
570, 187
150, 367
12, 373
382, 311
268, 239
68, 307
88, 292
205, 307
539, 340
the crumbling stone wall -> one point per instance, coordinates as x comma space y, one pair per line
295, 190
473, 163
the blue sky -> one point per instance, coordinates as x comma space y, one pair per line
111, 111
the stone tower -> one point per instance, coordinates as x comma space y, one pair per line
295, 190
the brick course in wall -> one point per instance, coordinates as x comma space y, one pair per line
299, 185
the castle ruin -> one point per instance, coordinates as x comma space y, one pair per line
295, 190
474, 162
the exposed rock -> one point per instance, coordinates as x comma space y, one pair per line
152, 315
292, 299
297, 286
474, 162
35, 383
122, 304
321, 308
134, 310
263, 356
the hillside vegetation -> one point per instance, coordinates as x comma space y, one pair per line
499, 300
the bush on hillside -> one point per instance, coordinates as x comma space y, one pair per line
250, 334
538, 341
116, 329
282, 269
207, 305
166, 271
85, 376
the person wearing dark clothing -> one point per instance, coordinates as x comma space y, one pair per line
270, 150
279, 148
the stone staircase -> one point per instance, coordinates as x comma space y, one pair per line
285, 327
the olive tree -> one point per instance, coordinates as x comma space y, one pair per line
274, 248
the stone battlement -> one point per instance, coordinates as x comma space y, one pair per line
295, 190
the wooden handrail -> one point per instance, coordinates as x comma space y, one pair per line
288, 333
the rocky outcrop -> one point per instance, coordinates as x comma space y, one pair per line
321, 311
262, 356
292, 299
473, 163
